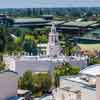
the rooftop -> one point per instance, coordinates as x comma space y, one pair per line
71, 89
85, 81
86, 78
25, 20
80, 23
92, 70
55, 22
94, 31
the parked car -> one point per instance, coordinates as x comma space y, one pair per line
24, 93
16, 98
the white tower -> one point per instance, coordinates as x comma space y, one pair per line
53, 48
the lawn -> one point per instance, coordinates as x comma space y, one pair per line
89, 46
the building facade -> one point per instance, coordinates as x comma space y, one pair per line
8, 84
84, 86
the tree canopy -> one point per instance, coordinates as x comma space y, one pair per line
64, 70
37, 83
2, 66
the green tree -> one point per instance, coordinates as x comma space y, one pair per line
2, 65
29, 37
41, 30
94, 60
18, 40
3, 38
30, 44
64, 70
43, 38
37, 83
42, 82
30, 47
25, 82
69, 46
7, 41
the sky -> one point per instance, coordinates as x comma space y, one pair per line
47, 3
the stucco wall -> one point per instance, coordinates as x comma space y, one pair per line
85, 92
88, 94
8, 85
69, 83
98, 87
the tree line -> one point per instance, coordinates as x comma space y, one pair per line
31, 12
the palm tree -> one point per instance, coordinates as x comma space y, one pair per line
69, 45
2, 40
5, 38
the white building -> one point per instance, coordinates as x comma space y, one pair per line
8, 84
42, 49
80, 87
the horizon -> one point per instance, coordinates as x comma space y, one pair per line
48, 3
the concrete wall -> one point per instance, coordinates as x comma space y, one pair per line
10, 63
65, 95
8, 85
69, 83
88, 94
57, 94
98, 87
35, 64
22, 64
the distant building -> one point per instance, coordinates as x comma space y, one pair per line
29, 22
78, 27
47, 17
81, 24
42, 49
8, 84
5, 21
84, 86
86, 40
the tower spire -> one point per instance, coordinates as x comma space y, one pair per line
53, 42
53, 28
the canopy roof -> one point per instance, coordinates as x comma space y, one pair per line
92, 70
25, 20
80, 23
